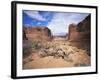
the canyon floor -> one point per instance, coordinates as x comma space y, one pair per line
57, 53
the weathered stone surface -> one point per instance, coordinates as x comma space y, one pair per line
37, 33
84, 25
73, 33
80, 31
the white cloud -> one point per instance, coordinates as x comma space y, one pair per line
61, 21
35, 15
58, 24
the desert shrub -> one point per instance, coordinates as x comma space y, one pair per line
80, 64
68, 59
36, 45
30, 46
83, 64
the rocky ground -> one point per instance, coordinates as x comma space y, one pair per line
56, 53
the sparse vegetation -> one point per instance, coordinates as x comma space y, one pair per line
80, 64
56, 50
27, 50
30, 46
36, 45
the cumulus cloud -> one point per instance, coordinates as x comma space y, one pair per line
60, 22
35, 15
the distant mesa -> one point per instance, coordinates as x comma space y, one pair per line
37, 33
80, 31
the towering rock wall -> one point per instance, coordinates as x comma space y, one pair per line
37, 33
80, 31
73, 33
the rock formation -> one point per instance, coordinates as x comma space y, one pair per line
80, 31
73, 33
80, 34
37, 33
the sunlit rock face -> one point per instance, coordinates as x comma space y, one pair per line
73, 33
37, 33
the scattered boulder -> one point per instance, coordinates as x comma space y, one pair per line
56, 53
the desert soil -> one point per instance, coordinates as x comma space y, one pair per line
65, 56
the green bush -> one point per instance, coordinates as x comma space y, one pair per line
36, 45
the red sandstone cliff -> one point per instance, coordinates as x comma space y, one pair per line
80, 31
80, 34
37, 33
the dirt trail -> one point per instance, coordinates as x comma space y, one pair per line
59, 54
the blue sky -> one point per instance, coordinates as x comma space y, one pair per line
57, 22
